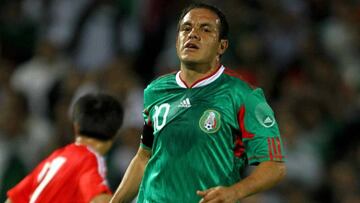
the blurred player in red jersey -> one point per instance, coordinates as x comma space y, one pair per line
76, 172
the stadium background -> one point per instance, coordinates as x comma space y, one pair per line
305, 54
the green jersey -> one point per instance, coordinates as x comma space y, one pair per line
203, 136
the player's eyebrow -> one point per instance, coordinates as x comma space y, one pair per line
186, 23
205, 24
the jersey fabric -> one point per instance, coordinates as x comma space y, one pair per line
74, 173
204, 135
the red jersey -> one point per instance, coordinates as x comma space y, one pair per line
74, 173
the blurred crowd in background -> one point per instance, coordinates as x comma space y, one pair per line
305, 54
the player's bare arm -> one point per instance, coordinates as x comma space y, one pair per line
130, 183
102, 198
266, 175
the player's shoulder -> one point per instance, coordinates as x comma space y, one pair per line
85, 155
237, 81
75, 152
162, 81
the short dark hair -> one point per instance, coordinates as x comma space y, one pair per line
224, 25
99, 116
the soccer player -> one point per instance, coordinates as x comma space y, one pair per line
203, 125
76, 172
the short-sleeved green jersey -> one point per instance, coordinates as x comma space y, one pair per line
204, 135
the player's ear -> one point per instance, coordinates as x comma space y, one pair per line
224, 43
177, 42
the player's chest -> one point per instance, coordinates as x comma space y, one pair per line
203, 109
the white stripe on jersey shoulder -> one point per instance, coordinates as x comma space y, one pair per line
100, 160
203, 82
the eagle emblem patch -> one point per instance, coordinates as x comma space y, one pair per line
210, 121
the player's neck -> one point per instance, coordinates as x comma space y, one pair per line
101, 147
193, 73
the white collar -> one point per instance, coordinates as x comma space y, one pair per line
202, 82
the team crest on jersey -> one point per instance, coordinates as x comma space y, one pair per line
210, 121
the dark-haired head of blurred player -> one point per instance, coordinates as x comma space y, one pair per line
96, 120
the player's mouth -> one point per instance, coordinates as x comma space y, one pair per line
191, 46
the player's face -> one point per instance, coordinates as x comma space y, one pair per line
198, 38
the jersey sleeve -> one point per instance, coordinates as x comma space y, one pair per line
260, 132
92, 181
22, 191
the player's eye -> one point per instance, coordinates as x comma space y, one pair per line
206, 29
187, 28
